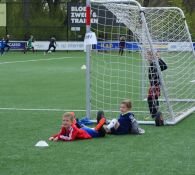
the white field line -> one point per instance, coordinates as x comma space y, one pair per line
43, 109
35, 60
58, 110
193, 81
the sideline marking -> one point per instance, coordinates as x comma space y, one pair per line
25, 61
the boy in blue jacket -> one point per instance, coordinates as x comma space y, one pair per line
126, 123
2, 46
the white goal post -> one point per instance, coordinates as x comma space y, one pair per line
111, 77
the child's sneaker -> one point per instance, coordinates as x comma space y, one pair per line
100, 115
159, 121
141, 131
101, 120
147, 118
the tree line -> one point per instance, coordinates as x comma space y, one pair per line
44, 18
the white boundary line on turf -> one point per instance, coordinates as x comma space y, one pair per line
58, 110
32, 109
25, 61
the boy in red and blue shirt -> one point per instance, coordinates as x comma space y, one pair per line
69, 131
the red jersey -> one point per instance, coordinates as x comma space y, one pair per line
71, 134
74, 122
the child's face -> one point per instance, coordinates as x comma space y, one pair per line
149, 56
158, 54
123, 108
66, 122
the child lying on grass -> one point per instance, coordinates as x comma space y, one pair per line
126, 123
70, 131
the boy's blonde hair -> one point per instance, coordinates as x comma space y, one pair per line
127, 103
68, 115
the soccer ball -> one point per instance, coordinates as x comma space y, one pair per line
49, 51
83, 67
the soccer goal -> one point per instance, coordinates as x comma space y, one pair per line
112, 77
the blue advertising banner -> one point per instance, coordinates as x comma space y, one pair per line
133, 46
17, 45
101, 45
115, 46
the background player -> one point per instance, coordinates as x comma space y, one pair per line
2, 46
121, 45
154, 90
52, 44
30, 45
7, 38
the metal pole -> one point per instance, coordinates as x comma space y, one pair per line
6, 28
88, 53
157, 63
143, 92
67, 26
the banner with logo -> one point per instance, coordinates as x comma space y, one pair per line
115, 46
179, 46
99, 15
61, 45
17, 45
79, 45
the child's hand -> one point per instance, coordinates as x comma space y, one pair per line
51, 138
55, 139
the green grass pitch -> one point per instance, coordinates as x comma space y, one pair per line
56, 81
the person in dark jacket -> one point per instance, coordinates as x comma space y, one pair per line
121, 45
7, 38
126, 123
154, 89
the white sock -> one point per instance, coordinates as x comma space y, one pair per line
112, 124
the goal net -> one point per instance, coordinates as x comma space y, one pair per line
114, 77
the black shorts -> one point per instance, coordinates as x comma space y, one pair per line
52, 45
133, 129
120, 130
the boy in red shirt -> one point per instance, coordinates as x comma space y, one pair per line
69, 131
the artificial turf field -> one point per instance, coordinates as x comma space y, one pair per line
32, 85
